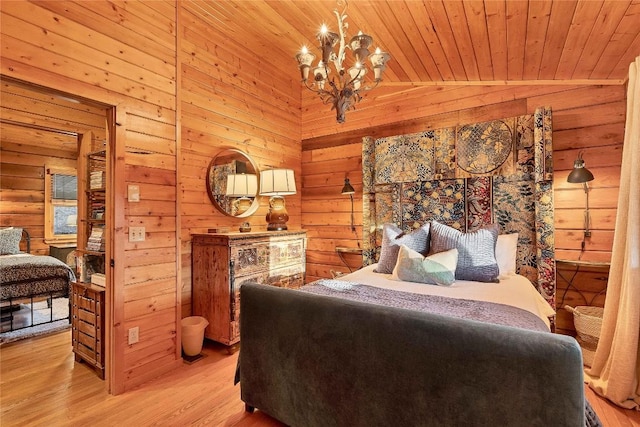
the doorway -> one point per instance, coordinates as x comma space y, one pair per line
46, 138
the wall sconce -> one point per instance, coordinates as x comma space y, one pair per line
242, 186
277, 183
582, 175
348, 189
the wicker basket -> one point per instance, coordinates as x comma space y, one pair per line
588, 322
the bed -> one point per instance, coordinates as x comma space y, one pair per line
26, 279
449, 323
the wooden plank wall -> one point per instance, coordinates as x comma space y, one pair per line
121, 54
255, 109
585, 118
37, 131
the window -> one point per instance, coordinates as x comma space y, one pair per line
61, 205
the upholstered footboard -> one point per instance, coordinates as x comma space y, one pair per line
311, 360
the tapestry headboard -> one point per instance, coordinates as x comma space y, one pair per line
466, 177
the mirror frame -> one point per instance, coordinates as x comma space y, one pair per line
227, 152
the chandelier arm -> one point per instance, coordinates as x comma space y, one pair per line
318, 91
356, 78
367, 88
337, 62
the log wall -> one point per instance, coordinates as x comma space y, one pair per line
255, 109
585, 118
37, 132
120, 54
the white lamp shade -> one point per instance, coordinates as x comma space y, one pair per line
277, 182
242, 185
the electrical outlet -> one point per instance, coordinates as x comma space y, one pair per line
136, 234
134, 335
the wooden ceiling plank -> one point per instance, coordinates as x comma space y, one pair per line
622, 67
516, 38
403, 58
537, 27
442, 29
559, 23
583, 20
619, 51
400, 24
478, 31
495, 12
605, 25
423, 23
461, 31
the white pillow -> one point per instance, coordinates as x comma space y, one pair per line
506, 253
436, 269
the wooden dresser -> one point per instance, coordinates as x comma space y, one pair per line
222, 262
87, 303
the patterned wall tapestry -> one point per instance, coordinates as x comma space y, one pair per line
466, 177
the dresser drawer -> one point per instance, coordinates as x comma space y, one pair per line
262, 256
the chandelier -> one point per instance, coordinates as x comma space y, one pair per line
344, 90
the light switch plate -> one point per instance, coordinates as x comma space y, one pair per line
133, 193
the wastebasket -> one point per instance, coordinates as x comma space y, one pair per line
193, 334
588, 323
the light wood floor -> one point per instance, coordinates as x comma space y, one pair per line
41, 385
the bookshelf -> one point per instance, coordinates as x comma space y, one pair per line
88, 292
92, 246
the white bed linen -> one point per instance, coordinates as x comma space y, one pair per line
513, 290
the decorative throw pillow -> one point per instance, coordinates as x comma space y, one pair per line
507, 253
476, 250
10, 240
436, 269
393, 237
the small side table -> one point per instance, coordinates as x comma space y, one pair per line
342, 250
576, 267
61, 250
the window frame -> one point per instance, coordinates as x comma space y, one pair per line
51, 204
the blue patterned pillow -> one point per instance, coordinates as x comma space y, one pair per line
437, 269
476, 250
10, 240
393, 237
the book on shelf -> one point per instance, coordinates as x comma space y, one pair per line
98, 279
96, 180
95, 242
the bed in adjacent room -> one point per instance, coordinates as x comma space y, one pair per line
450, 320
27, 279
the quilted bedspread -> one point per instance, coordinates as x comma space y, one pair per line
26, 275
481, 311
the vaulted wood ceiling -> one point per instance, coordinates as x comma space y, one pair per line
440, 42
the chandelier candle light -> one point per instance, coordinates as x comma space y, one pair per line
345, 91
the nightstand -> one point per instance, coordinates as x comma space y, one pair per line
344, 250
571, 268
61, 250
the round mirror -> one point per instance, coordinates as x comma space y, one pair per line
232, 183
